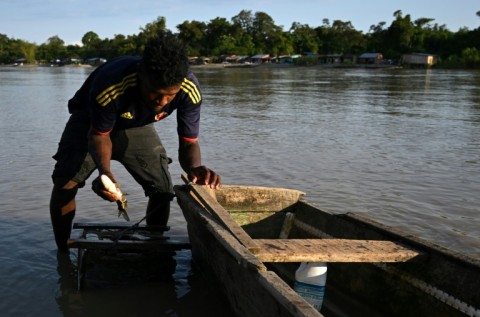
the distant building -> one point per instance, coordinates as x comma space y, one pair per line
370, 58
96, 61
329, 58
195, 60
287, 59
260, 58
234, 58
419, 60
20, 61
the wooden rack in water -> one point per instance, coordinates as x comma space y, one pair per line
122, 238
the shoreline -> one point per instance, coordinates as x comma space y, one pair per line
254, 66
45, 65
272, 65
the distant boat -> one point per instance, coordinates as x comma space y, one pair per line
242, 65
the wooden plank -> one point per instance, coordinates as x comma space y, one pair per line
131, 245
332, 250
213, 206
119, 226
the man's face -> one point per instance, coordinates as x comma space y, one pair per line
157, 98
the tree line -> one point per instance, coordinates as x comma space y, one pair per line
253, 33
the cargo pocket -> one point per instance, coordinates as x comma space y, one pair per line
167, 180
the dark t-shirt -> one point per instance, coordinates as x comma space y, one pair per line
111, 95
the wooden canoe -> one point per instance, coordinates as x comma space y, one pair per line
252, 239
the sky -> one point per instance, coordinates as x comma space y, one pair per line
38, 20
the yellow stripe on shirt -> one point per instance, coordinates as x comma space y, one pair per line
112, 92
191, 89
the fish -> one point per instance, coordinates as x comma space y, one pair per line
122, 208
121, 200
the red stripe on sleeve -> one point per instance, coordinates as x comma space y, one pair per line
189, 139
101, 132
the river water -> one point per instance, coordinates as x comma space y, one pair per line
401, 146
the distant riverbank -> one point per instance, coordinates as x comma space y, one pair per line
231, 65
275, 65
46, 65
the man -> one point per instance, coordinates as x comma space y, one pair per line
112, 117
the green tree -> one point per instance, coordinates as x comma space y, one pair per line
286, 44
218, 33
226, 44
74, 51
471, 57
421, 30
438, 40
153, 28
459, 42
53, 49
7, 52
27, 50
345, 39
125, 45
376, 37
304, 38
193, 33
266, 35
91, 44
242, 31
400, 35
339, 37
245, 21
90, 39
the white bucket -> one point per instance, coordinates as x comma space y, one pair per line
310, 280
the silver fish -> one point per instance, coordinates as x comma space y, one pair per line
122, 208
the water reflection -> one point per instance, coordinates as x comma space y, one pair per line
125, 286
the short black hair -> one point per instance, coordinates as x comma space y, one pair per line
165, 60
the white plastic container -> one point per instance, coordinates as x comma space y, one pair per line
310, 280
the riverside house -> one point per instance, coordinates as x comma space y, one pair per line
370, 58
419, 60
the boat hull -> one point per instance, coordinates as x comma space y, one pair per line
250, 288
438, 282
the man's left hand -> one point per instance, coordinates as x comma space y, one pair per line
202, 175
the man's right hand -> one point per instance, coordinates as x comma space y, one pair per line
99, 188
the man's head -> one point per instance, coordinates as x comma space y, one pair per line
163, 69
165, 60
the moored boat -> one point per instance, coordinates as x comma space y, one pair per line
252, 239
242, 65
